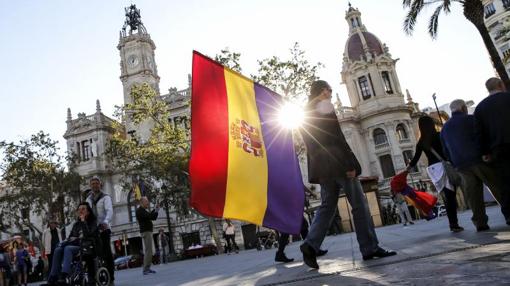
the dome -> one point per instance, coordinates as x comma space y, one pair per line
355, 46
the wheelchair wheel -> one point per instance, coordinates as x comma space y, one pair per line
102, 277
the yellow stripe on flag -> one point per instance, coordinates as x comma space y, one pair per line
246, 196
138, 193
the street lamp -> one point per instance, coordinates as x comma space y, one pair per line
438, 114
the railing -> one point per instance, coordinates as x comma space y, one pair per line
489, 10
404, 140
382, 145
506, 4
506, 56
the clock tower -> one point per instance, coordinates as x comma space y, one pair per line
137, 63
137, 60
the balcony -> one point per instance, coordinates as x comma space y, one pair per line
506, 56
382, 146
489, 10
506, 4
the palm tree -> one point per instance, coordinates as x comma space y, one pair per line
473, 11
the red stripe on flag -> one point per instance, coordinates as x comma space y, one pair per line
209, 136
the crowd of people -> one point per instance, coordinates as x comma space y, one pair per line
476, 145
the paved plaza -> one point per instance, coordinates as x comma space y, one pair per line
428, 254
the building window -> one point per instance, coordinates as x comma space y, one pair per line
364, 87
25, 213
489, 10
408, 156
190, 239
387, 83
131, 204
85, 150
402, 133
506, 4
387, 166
78, 151
380, 137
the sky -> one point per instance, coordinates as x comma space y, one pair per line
61, 54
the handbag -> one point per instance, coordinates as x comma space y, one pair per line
452, 174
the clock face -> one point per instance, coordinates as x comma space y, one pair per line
132, 61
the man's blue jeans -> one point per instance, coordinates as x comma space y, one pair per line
66, 254
363, 224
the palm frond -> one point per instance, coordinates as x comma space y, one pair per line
414, 10
434, 19
446, 5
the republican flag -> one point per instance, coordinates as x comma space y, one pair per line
243, 163
138, 193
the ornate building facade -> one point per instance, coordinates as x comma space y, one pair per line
379, 125
497, 21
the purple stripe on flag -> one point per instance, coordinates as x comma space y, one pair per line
285, 191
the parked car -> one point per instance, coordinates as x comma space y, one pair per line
122, 262
129, 261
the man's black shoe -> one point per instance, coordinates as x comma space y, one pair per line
309, 256
322, 252
482, 228
281, 257
379, 253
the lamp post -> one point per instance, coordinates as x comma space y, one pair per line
159, 184
437, 109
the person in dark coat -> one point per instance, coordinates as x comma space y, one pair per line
85, 227
430, 143
145, 218
462, 148
333, 165
492, 125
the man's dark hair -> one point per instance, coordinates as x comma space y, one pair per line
316, 88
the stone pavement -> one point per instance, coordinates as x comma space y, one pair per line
428, 254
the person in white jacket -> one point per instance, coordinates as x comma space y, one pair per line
52, 236
101, 205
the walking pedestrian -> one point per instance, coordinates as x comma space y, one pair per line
463, 149
333, 165
51, 238
21, 259
145, 217
102, 207
403, 209
430, 143
492, 125
230, 236
163, 245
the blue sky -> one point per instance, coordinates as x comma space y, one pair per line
62, 53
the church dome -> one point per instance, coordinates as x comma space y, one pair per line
354, 45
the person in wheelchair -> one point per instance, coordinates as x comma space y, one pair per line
83, 230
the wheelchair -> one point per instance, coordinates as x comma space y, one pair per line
88, 268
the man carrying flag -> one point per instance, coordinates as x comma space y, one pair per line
332, 164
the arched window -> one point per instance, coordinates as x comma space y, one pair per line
402, 132
380, 137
